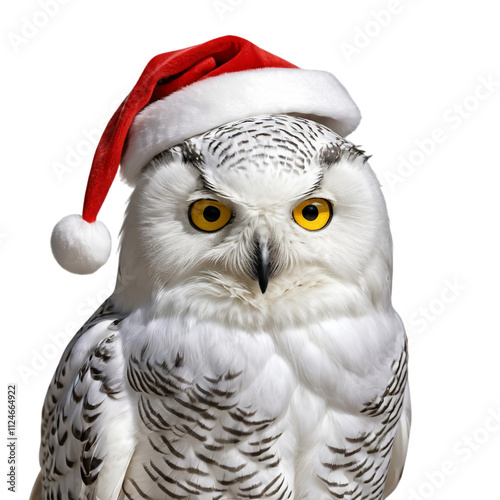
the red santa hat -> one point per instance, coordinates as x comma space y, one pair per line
184, 93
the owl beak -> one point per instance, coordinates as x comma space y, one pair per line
261, 265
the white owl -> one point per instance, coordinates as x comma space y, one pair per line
253, 351
250, 349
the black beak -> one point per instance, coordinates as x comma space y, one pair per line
262, 265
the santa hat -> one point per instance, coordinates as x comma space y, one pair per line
184, 93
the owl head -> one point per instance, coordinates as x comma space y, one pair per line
263, 220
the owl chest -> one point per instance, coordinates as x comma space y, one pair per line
209, 380
211, 408
204, 372
224, 413
212, 384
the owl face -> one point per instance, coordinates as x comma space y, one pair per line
264, 213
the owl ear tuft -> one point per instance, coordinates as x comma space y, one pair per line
329, 154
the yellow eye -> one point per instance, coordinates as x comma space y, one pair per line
313, 214
209, 215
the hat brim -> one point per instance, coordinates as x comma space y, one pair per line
212, 102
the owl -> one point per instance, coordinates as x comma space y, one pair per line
250, 349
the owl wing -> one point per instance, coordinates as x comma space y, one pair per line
400, 447
86, 418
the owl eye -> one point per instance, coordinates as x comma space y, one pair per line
313, 214
209, 215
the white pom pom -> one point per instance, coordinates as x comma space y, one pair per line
80, 247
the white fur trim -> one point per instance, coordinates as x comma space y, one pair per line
80, 247
209, 103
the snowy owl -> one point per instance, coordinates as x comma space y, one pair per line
251, 349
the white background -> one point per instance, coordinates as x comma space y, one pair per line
417, 71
